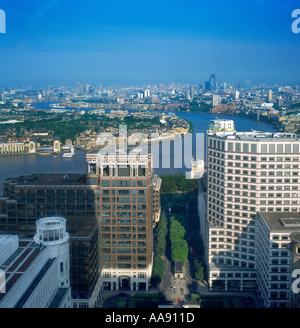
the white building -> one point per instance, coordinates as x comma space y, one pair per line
146, 93
247, 172
221, 125
274, 258
36, 272
270, 96
266, 105
216, 100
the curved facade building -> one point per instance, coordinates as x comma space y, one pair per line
212, 83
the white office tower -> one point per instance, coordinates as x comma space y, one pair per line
270, 96
51, 232
237, 95
248, 172
146, 93
277, 257
35, 273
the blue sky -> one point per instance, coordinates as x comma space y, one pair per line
60, 42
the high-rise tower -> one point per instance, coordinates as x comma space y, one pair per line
128, 211
247, 172
212, 83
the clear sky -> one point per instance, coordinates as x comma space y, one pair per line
60, 42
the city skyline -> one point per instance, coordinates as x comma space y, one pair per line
150, 155
62, 42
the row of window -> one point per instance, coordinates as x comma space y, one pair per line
108, 265
108, 275
124, 258
125, 200
271, 148
234, 275
120, 243
231, 262
263, 159
123, 183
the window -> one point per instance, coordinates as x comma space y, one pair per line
105, 183
253, 149
124, 170
106, 170
264, 149
279, 149
141, 171
272, 148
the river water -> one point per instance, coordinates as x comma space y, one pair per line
168, 158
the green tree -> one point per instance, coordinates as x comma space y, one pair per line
199, 271
179, 250
160, 250
177, 231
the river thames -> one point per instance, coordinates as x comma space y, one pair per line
193, 145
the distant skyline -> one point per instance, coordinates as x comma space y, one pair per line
60, 42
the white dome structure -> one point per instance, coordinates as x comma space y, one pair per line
52, 232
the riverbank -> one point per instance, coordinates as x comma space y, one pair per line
256, 120
17, 154
232, 115
165, 160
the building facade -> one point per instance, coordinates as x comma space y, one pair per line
12, 148
130, 208
274, 260
110, 212
248, 172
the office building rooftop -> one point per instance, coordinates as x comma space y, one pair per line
49, 179
254, 136
17, 264
282, 222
